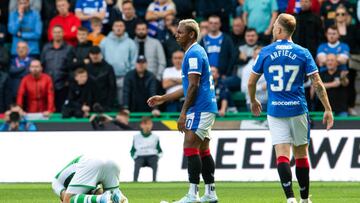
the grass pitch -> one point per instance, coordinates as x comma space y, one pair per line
228, 192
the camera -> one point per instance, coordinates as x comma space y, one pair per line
98, 123
14, 117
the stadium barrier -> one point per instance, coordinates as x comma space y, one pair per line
239, 155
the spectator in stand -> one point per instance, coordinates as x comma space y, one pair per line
221, 8
295, 6
261, 16
19, 67
152, 50
335, 85
38, 89
261, 92
67, 20
349, 34
25, 25
184, 9
204, 28
2, 30
34, 5
219, 48
170, 44
15, 120
4, 12
141, 7
87, 9
96, 36
172, 80
82, 96
146, 149
222, 93
56, 58
104, 77
125, 12
246, 51
120, 52
309, 29
155, 15
4, 58
5, 90
139, 85
81, 50
238, 31
328, 11
333, 46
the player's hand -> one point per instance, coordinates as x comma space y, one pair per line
328, 119
256, 108
155, 100
181, 123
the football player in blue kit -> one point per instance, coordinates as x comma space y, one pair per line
198, 112
285, 66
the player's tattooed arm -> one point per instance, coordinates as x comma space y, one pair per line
320, 90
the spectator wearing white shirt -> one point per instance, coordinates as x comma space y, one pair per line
261, 92
172, 80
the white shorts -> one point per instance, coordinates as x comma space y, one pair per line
289, 130
200, 123
92, 171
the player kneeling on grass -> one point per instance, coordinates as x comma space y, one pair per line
79, 181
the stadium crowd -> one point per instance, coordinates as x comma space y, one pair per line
68, 55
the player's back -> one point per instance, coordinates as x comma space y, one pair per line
285, 66
196, 62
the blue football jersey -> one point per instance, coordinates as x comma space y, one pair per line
337, 48
196, 62
212, 46
285, 66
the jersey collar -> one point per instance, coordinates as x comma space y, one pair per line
281, 40
190, 47
333, 45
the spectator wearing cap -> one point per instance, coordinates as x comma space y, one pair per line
152, 50
172, 81
104, 77
25, 25
19, 66
38, 89
56, 58
139, 85
124, 10
120, 52
87, 9
67, 20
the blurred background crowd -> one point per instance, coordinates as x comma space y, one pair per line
75, 57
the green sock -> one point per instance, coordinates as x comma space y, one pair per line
85, 198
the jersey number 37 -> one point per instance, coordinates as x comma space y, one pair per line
278, 77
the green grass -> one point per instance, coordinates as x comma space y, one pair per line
228, 192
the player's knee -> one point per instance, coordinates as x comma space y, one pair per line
300, 151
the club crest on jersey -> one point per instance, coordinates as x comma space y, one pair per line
193, 63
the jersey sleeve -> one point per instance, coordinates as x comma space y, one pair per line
310, 65
259, 64
345, 50
57, 187
320, 50
78, 6
195, 63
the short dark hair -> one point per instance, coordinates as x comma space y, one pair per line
57, 26
118, 21
96, 21
214, 16
250, 30
80, 70
127, 2
83, 29
333, 27
140, 23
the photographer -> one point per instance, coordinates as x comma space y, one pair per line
15, 121
99, 119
